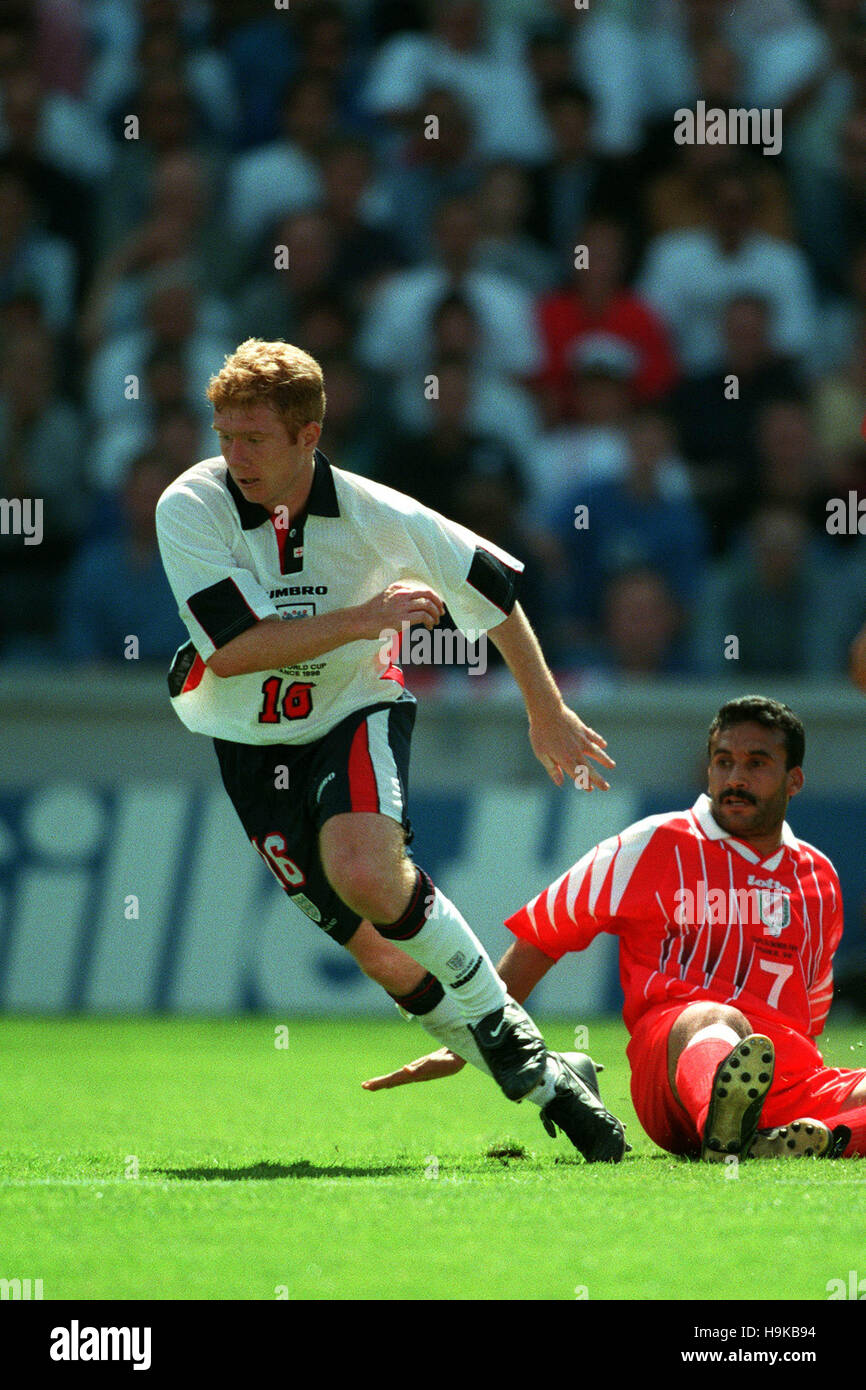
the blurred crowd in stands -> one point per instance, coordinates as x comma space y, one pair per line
402, 187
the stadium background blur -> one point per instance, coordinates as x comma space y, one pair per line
176, 177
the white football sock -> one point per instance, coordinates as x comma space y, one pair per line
447, 947
447, 1025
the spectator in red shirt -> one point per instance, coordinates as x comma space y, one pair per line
598, 300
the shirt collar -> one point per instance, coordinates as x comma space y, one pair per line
703, 814
322, 500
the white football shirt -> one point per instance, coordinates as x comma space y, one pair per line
231, 563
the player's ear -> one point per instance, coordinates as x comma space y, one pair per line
795, 781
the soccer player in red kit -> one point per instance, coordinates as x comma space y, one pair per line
727, 926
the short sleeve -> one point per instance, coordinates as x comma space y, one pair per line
477, 580
567, 915
611, 889
217, 598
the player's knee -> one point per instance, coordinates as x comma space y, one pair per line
702, 1014
365, 888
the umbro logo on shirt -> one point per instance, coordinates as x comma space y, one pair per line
296, 590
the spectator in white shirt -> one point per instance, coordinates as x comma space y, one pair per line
607, 58
690, 275
481, 61
497, 407
780, 47
396, 333
596, 448
176, 314
274, 180
424, 171
70, 137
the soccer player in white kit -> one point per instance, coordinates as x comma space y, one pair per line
312, 723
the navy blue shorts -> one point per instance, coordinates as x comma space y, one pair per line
284, 793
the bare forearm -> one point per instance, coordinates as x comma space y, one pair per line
522, 966
276, 642
273, 642
525, 659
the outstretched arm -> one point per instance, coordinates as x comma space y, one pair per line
560, 740
522, 966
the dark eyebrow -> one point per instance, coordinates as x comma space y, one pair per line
750, 752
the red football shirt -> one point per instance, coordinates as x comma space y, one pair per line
700, 915
564, 320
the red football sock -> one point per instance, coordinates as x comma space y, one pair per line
856, 1122
695, 1071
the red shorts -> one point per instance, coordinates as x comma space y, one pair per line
802, 1085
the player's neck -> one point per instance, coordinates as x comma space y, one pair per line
297, 492
763, 845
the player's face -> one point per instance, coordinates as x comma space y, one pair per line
265, 463
748, 784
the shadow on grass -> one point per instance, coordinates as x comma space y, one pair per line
301, 1169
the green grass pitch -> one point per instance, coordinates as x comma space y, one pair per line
195, 1159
